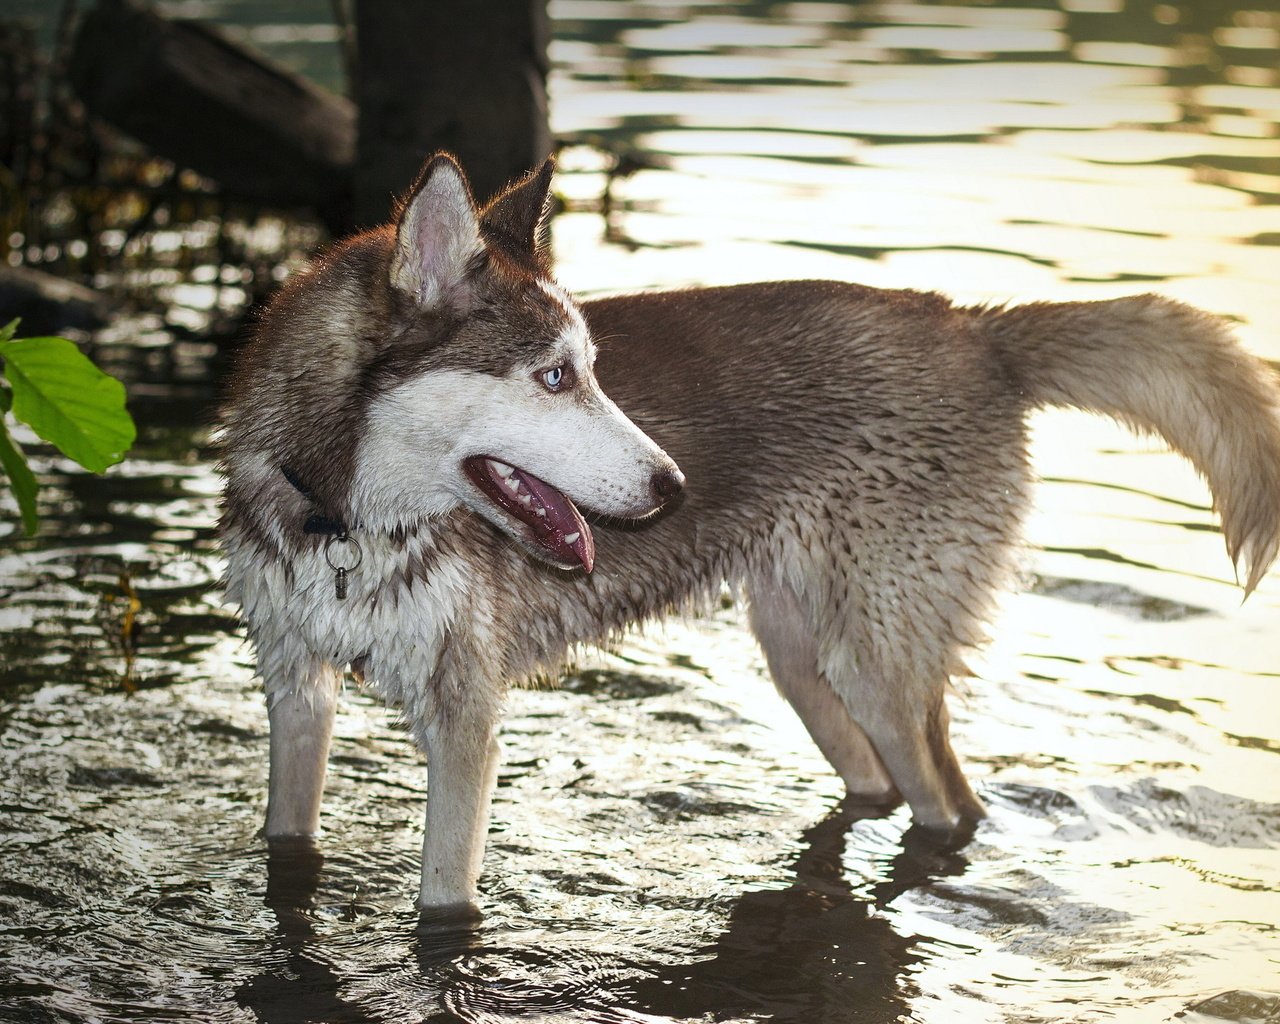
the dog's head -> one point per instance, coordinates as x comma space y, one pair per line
486, 395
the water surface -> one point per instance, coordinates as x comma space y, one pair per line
666, 843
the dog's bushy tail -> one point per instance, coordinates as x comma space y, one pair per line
1161, 367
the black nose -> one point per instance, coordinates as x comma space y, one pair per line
667, 484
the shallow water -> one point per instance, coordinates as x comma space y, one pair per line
666, 844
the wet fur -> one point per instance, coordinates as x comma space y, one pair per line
857, 470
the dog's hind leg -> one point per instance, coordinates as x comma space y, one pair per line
301, 714
884, 730
786, 635
907, 723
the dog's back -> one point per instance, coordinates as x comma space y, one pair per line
823, 426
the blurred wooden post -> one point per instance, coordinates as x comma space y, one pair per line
468, 76
199, 99
17, 99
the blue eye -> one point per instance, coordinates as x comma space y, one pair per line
553, 378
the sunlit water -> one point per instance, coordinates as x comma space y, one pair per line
667, 845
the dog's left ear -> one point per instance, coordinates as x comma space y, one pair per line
437, 234
512, 221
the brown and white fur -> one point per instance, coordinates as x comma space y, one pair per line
856, 467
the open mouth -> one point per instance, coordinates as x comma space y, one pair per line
554, 525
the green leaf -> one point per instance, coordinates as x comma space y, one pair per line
9, 330
21, 479
68, 401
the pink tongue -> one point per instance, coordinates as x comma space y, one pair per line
561, 522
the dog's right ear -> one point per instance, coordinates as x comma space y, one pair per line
437, 234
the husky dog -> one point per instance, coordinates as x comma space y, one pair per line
428, 482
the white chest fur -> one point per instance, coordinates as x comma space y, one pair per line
400, 606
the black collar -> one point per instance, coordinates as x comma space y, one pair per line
315, 522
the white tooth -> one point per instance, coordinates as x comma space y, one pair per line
501, 468
513, 485
542, 512
526, 499
570, 538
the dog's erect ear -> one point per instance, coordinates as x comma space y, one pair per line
437, 234
511, 221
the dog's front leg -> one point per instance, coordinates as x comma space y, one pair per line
462, 766
301, 716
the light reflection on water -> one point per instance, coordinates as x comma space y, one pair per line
667, 845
